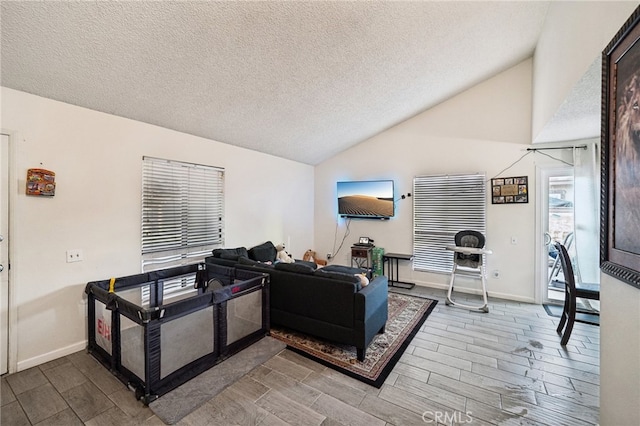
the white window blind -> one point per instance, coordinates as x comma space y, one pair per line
443, 205
182, 212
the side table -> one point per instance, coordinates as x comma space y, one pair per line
393, 270
361, 257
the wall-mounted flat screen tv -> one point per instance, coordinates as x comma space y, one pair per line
371, 199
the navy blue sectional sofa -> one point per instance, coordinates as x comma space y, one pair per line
327, 302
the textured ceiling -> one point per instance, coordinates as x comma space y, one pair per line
299, 80
578, 117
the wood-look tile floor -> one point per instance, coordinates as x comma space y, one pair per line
504, 367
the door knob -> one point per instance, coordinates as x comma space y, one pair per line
1, 268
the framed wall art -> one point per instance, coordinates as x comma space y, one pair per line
511, 190
620, 173
41, 182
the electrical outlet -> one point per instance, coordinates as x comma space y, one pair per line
75, 255
495, 274
328, 256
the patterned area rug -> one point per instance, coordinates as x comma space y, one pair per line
406, 315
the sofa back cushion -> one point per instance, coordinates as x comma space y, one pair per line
299, 267
313, 297
265, 252
220, 261
251, 262
344, 269
340, 276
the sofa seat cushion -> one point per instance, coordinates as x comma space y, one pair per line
265, 252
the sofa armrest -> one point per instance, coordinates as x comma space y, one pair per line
371, 297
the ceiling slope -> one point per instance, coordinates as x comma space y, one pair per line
298, 80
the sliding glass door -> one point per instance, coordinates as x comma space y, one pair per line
558, 225
568, 213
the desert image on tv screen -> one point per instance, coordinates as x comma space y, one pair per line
372, 198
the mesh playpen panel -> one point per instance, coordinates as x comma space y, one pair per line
102, 326
154, 341
244, 316
185, 339
132, 347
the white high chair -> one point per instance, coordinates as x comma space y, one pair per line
467, 260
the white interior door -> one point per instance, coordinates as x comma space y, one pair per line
4, 254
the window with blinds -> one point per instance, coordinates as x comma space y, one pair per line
182, 212
443, 205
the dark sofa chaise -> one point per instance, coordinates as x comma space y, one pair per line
329, 302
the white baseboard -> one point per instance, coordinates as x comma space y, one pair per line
50, 356
59, 353
506, 296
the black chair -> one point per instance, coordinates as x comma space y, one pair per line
572, 291
554, 259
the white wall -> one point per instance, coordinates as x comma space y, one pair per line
619, 353
484, 129
97, 159
573, 36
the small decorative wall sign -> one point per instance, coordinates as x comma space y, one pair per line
510, 190
41, 182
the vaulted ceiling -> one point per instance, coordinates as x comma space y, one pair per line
299, 80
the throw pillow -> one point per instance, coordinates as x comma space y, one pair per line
265, 252
230, 254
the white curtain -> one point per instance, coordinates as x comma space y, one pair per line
587, 211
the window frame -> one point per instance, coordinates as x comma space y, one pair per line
185, 201
434, 225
